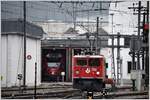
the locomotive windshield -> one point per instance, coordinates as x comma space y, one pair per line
81, 62
94, 62
53, 64
54, 60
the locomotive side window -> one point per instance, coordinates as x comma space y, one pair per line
81, 62
94, 62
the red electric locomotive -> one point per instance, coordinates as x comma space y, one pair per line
53, 65
89, 72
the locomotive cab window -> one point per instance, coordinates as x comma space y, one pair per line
94, 62
81, 62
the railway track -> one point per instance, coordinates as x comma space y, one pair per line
117, 95
125, 95
10, 89
121, 93
45, 91
41, 94
66, 91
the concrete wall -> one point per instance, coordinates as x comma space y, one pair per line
107, 54
33, 49
12, 60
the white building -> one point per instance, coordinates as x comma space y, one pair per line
126, 23
13, 52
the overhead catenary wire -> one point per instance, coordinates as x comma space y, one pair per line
30, 6
40, 7
37, 18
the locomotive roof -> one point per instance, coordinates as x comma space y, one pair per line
90, 56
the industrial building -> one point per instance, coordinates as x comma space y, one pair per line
39, 40
12, 51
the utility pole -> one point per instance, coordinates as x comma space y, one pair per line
100, 37
147, 49
139, 20
113, 60
118, 59
35, 80
136, 45
74, 16
139, 8
24, 29
143, 49
97, 27
133, 53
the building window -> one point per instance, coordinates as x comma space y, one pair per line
127, 41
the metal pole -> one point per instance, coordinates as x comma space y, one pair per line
74, 17
148, 12
121, 71
113, 65
133, 54
118, 57
143, 64
113, 58
133, 67
139, 19
100, 37
88, 22
147, 50
69, 61
24, 29
97, 27
35, 80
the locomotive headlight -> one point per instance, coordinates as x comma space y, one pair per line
53, 73
97, 73
77, 72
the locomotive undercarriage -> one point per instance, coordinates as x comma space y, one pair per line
95, 85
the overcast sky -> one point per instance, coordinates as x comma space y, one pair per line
40, 11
